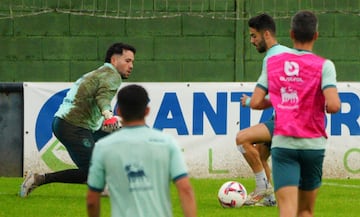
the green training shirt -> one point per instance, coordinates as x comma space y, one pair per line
89, 96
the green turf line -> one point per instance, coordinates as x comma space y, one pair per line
211, 170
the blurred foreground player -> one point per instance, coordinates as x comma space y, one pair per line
137, 163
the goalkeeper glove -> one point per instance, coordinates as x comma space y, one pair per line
111, 124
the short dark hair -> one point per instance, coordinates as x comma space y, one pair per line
263, 22
304, 25
118, 48
132, 101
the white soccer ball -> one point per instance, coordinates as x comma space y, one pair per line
232, 194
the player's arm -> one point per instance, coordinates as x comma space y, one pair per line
329, 89
258, 100
93, 203
245, 100
179, 176
186, 195
106, 90
95, 181
105, 93
332, 100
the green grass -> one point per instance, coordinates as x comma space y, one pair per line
337, 197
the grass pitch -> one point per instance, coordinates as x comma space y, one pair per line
337, 197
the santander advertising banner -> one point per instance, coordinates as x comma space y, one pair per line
203, 117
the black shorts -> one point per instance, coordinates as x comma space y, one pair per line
78, 141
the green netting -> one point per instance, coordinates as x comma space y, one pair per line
148, 9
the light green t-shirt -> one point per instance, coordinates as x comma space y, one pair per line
138, 164
89, 96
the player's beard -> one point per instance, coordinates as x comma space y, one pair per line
262, 46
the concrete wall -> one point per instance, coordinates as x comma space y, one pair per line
57, 46
11, 133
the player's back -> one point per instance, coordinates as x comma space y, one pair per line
295, 91
140, 162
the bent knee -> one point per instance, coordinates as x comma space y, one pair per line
242, 138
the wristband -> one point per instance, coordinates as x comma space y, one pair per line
247, 101
107, 114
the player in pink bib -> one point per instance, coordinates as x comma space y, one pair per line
301, 86
295, 90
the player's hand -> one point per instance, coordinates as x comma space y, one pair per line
243, 99
111, 124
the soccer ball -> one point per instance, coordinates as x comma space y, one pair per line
232, 194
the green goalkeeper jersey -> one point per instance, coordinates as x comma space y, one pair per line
89, 97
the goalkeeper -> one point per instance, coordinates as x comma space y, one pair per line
85, 116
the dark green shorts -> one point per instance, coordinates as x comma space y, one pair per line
302, 168
270, 125
78, 141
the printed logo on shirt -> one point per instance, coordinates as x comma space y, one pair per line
289, 98
292, 70
137, 177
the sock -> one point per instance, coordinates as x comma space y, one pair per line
261, 181
39, 179
76, 176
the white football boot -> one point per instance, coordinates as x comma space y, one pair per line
32, 181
